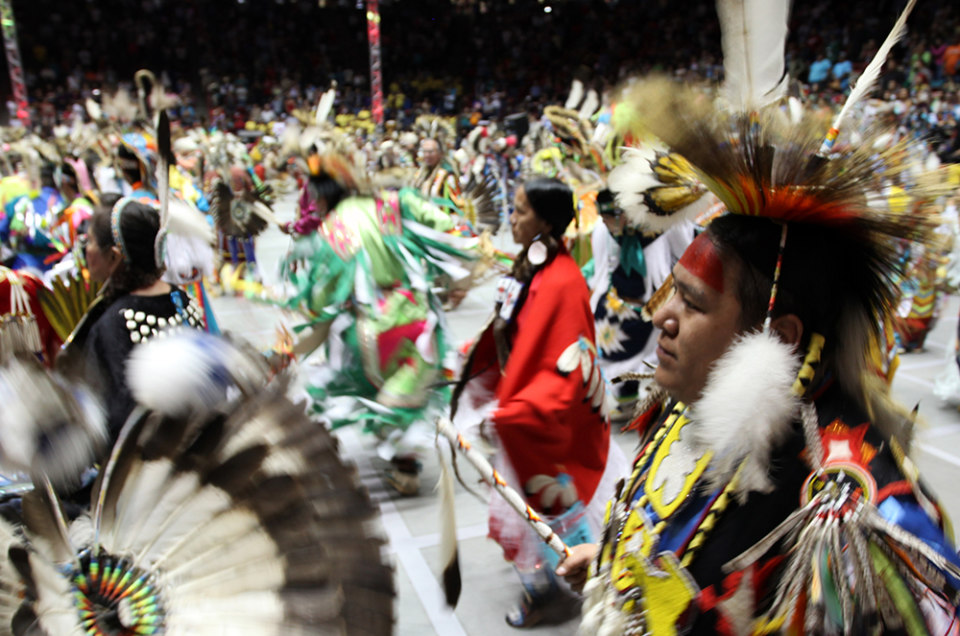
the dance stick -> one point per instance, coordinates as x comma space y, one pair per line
493, 478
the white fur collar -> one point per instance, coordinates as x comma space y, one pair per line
746, 410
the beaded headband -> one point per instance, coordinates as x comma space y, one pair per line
115, 226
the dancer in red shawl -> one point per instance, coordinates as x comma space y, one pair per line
533, 376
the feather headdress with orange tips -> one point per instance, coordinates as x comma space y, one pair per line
764, 164
341, 169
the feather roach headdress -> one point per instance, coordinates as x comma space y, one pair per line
436, 127
765, 166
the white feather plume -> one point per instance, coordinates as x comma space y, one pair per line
575, 96
590, 105
747, 409
871, 74
325, 106
121, 107
754, 35
290, 139
630, 179
187, 244
93, 109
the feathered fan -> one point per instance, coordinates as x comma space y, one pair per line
478, 203
66, 301
236, 213
237, 519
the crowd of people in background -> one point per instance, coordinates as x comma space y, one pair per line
234, 62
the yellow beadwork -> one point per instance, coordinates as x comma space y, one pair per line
666, 508
633, 560
810, 363
668, 591
711, 519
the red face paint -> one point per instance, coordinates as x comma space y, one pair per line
703, 261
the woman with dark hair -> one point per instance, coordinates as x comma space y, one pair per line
533, 376
135, 304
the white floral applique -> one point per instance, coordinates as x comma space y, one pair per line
583, 354
610, 338
552, 490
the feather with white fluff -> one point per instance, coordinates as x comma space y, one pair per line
747, 408
754, 36
448, 532
868, 79
165, 154
575, 96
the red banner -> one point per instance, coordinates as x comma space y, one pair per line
376, 76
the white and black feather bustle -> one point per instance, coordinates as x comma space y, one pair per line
240, 518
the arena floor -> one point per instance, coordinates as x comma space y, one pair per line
411, 525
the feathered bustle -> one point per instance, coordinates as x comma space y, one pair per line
239, 518
46, 426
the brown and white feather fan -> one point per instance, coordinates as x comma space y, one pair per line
238, 518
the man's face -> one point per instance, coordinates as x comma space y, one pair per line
430, 153
699, 322
614, 222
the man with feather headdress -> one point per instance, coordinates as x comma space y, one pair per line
776, 416
777, 493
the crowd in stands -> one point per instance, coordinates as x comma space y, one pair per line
236, 60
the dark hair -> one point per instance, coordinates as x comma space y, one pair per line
68, 176
552, 201
130, 165
139, 225
607, 204
323, 186
822, 274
